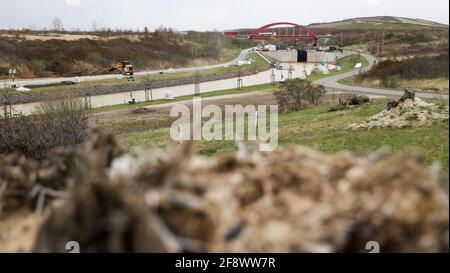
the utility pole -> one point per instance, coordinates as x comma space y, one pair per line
87, 101
272, 76
193, 56
146, 95
148, 87
12, 74
239, 80
197, 82
151, 92
290, 69
196, 75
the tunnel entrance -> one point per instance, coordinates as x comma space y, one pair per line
302, 56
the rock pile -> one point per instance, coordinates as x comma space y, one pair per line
407, 111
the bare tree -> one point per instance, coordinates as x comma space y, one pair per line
57, 24
94, 26
148, 87
213, 45
293, 95
6, 102
197, 82
315, 94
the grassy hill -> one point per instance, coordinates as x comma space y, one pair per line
379, 22
387, 37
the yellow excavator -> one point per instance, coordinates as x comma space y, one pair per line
124, 68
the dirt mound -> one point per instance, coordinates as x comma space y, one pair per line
407, 111
141, 110
292, 200
350, 102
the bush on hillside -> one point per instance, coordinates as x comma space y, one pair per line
426, 67
58, 122
40, 58
294, 95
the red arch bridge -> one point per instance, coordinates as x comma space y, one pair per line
293, 31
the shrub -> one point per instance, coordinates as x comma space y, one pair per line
293, 95
4, 70
315, 94
391, 81
426, 67
58, 122
38, 68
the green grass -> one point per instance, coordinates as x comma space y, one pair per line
230, 53
437, 85
329, 133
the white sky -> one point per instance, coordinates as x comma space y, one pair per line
207, 14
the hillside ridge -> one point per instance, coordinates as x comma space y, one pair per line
380, 20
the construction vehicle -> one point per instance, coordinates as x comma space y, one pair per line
124, 68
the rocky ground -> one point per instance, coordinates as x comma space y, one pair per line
292, 200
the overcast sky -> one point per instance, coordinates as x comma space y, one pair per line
207, 14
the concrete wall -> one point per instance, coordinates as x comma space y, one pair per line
282, 55
313, 56
318, 56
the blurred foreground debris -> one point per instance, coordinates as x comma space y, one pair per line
292, 200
